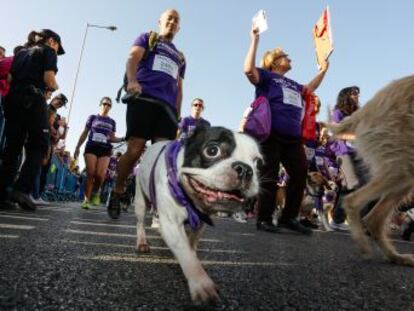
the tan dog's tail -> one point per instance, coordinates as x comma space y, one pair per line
346, 126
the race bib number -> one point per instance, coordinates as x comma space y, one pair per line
319, 161
99, 138
166, 65
291, 97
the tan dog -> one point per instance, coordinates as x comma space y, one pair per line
384, 130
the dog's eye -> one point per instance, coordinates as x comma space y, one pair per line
259, 163
212, 151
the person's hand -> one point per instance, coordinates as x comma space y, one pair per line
254, 32
325, 65
133, 87
76, 154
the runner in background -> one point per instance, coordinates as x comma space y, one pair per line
100, 130
188, 124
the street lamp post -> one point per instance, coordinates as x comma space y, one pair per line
111, 28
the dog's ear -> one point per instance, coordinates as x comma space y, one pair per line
197, 135
193, 144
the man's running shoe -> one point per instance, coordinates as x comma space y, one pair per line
114, 205
7, 205
23, 200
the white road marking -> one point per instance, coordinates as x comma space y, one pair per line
208, 250
8, 236
98, 233
19, 227
164, 260
23, 217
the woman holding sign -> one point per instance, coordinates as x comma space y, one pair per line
284, 144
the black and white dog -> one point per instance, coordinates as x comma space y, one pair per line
213, 170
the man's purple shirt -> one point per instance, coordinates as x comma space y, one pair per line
159, 72
188, 125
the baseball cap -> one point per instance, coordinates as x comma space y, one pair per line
47, 33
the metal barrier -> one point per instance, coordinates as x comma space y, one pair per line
61, 184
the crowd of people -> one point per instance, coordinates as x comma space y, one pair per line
31, 130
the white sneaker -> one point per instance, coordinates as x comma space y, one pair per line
339, 227
42, 202
155, 222
240, 217
35, 201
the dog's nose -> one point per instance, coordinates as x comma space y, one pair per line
243, 170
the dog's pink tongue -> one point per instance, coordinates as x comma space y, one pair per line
212, 198
228, 196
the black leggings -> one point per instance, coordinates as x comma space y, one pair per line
26, 125
290, 152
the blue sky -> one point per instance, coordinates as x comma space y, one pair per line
373, 45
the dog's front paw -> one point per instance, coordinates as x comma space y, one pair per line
402, 259
203, 290
143, 248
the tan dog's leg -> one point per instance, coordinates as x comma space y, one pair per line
140, 209
377, 221
353, 204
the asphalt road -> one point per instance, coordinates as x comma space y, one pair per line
65, 258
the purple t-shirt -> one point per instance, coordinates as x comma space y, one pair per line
100, 131
159, 72
188, 125
286, 103
340, 146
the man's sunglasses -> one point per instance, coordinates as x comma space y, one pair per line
197, 105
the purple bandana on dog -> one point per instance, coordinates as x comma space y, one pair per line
194, 215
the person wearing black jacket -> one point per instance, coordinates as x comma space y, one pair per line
32, 74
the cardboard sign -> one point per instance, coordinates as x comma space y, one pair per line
322, 37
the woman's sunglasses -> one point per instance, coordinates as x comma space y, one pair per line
107, 104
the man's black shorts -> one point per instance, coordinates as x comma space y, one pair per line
149, 118
98, 151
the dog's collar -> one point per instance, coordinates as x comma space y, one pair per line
194, 215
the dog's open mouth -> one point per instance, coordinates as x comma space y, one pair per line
215, 195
